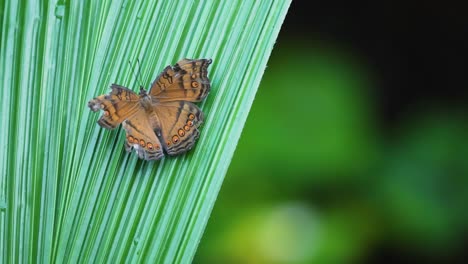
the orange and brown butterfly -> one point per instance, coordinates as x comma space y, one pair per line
165, 119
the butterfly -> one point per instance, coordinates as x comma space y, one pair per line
164, 119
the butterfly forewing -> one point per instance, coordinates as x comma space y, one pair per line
118, 105
187, 80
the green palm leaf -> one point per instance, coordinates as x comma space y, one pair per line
68, 190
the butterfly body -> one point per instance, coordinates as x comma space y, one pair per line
145, 101
165, 119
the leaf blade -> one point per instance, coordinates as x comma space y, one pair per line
79, 195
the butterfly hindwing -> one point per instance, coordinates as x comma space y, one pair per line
187, 80
118, 105
179, 121
141, 137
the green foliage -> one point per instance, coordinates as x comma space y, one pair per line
328, 183
68, 190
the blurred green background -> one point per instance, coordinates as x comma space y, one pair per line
355, 148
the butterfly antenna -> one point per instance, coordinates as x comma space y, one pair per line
133, 71
139, 73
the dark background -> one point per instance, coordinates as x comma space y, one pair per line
417, 49
355, 150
